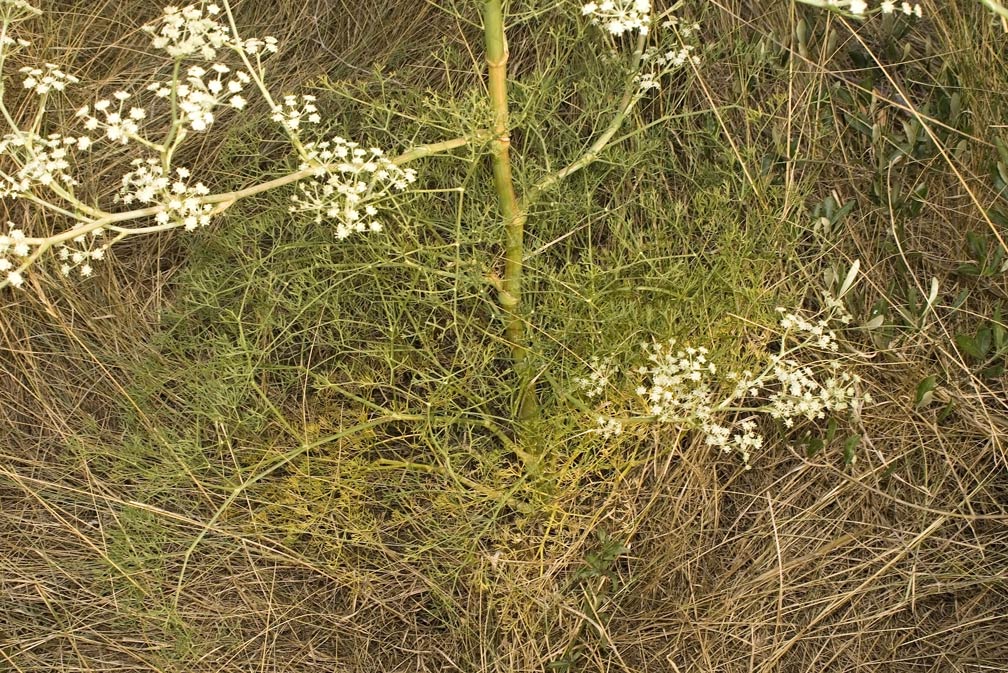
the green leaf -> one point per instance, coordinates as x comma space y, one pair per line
844, 96
998, 331
983, 341
844, 210
998, 217
960, 150
955, 108
1002, 149
814, 446
859, 122
831, 428
917, 198
932, 295
924, 393
849, 280
968, 269
911, 131
849, 448
993, 372
977, 246
911, 300
875, 322
801, 31
995, 263
968, 346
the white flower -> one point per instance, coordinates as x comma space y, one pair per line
47, 162
120, 125
620, 16
679, 387
46, 79
17, 10
608, 427
294, 111
148, 184
347, 181
858, 7
188, 33
601, 371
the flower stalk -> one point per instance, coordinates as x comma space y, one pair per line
512, 212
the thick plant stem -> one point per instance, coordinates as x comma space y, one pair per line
512, 212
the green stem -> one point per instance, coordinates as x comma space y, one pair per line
512, 213
995, 7
627, 102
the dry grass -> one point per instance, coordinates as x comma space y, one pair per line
432, 547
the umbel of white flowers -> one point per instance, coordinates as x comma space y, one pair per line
682, 386
620, 16
338, 181
860, 7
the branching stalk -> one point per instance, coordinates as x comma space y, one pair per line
109, 221
631, 95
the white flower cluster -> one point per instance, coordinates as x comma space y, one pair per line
9, 44
13, 245
16, 10
860, 7
672, 59
147, 183
620, 16
680, 387
823, 336
657, 62
120, 125
347, 180
44, 161
745, 440
598, 378
836, 307
196, 99
609, 427
255, 46
796, 392
678, 378
47, 78
888, 7
83, 252
188, 32
296, 110
192, 32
